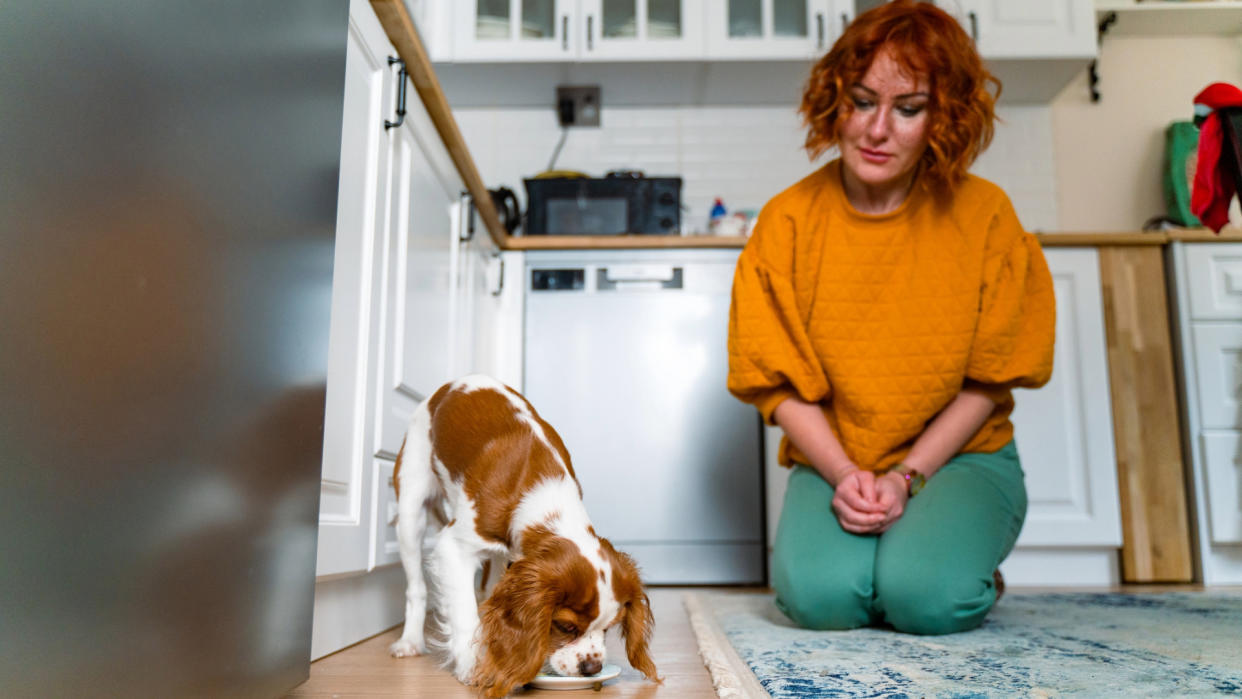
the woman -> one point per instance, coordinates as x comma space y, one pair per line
882, 312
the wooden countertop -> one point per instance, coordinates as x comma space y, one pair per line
1048, 240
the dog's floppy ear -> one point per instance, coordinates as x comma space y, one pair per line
637, 623
514, 630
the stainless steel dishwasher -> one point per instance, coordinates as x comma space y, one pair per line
625, 355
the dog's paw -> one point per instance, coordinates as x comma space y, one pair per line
405, 648
463, 668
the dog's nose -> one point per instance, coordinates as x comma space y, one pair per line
590, 666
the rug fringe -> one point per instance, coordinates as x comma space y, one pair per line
731, 676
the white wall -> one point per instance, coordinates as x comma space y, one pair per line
744, 154
1109, 155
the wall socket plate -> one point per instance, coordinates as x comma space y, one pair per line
577, 105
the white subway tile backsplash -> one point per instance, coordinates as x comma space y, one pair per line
742, 154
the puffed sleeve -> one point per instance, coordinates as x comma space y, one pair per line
770, 353
1017, 316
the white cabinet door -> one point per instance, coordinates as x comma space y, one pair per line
500, 317
414, 353
1028, 28
466, 272
1215, 288
1222, 478
577, 30
774, 29
477, 305
417, 335
345, 493
515, 30
1064, 430
1208, 283
392, 315
1218, 364
641, 30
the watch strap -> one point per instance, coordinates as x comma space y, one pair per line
915, 480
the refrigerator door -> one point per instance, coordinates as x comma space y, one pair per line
167, 213
626, 358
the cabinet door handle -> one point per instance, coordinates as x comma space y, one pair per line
845, 22
974, 26
401, 75
500, 274
466, 233
819, 30
589, 32
564, 32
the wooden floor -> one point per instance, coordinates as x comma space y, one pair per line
366, 669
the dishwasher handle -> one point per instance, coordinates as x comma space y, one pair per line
638, 277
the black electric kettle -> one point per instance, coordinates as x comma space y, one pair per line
507, 208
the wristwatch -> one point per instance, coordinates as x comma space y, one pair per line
914, 480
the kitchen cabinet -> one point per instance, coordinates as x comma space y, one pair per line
440, 283
411, 287
1065, 438
345, 504
1004, 29
646, 30
1207, 283
1064, 430
577, 30
1015, 29
774, 29
409, 277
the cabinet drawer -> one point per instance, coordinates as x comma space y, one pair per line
1214, 273
1218, 373
1222, 478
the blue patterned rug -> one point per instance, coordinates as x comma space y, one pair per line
1173, 644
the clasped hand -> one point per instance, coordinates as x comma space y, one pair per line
866, 504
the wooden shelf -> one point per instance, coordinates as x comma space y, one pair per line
1173, 17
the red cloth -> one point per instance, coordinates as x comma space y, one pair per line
1214, 186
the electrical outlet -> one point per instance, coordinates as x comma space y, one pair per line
577, 105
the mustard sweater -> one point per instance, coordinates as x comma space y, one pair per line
882, 320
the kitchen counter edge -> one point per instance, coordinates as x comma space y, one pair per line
632, 242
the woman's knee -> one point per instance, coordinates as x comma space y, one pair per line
934, 607
822, 601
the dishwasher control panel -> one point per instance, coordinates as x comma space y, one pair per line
557, 279
610, 278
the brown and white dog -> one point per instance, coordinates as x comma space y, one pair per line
482, 478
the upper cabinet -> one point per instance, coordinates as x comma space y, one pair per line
577, 30
1005, 29
490, 30
661, 30
774, 29
642, 29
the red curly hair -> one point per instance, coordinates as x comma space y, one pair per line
925, 40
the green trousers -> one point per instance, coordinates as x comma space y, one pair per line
930, 573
